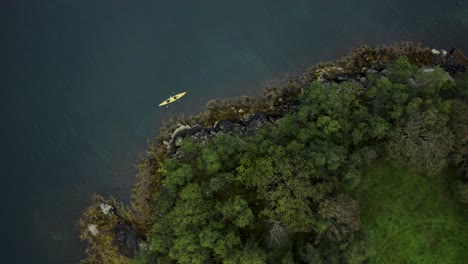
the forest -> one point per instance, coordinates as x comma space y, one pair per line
363, 169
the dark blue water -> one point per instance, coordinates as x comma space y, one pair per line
81, 80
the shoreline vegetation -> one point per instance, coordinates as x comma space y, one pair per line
277, 179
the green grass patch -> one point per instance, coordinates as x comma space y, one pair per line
412, 218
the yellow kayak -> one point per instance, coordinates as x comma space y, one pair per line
172, 99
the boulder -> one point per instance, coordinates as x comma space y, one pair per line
246, 117
143, 245
182, 132
180, 129
435, 52
258, 120
229, 126
92, 228
377, 65
126, 239
457, 57
368, 70
201, 135
344, 77
107, 209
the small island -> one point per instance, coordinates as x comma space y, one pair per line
361, 160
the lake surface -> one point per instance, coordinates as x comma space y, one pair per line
81, 80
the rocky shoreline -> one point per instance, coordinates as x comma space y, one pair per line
201, 135
116, 231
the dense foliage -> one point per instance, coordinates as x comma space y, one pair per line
284, 195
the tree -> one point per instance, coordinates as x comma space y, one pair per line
284, 188
237, 211
186, 249
221, 181
401, 70
429, 82
250, 253
342, 215
327, 125
278, 235
176, 234
459, 126
176, 174
311, 255
459, 155
226, 247
387, 99
222, 155
144, 257
422, 140
378, 127
356, 251
461, 87
212, 164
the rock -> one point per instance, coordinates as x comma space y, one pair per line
385, 73
126, 239
196, 129
107, 209
444, 52
197, 133
177, 141
229, 126
182, 132
210, 131
201, 135
368, 70
240, 111
93, 229
378, 65
457, 57
321, 78
453, 68
340, 79
426, 70
344, 77
258, 120
435, 52
180, 129
143, 245
187, 131
246, 117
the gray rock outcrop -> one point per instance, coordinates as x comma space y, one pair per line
126, 239
107, 209
233, 127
